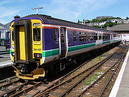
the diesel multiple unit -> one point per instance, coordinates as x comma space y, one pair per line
37, 40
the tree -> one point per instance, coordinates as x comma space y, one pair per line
127, 18
109, 24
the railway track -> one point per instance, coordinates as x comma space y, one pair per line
19, 91
64, 88
103, 85
109, 73
66, 83
5, 83
7, 79
16, 87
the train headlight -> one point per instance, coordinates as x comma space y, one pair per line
37, 55
12, 53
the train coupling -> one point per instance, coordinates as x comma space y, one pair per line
35, 74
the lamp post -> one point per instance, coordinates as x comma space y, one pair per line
37, 9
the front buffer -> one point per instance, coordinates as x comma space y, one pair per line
23, 73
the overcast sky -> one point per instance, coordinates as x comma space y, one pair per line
71, 10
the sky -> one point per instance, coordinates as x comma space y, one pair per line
71, 10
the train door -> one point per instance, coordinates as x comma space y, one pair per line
23, 41
63, 42
99, 38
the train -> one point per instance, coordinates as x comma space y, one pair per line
37, 41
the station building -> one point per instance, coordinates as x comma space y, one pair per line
122, 29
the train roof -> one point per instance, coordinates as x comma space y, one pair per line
51, 20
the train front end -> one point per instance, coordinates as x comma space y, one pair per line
26, 48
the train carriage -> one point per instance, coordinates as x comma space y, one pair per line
39, 39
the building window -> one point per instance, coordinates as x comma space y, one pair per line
36, 34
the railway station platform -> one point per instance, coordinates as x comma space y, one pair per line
3, 50
5, 64
5, 60
4, 57
121, 86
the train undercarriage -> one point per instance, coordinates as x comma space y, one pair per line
34, 71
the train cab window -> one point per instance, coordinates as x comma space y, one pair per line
36, 34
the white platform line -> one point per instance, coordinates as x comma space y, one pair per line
119, 78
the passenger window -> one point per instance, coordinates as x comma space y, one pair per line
80, 36
74, 36
54, 34
36, 34
100, 37
62, 38
95, 36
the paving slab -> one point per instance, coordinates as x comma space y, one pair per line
121, 86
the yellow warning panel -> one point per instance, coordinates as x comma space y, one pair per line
22, 43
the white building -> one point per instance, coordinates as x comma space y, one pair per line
122, 29
117, 21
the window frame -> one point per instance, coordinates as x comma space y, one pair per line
36, 37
